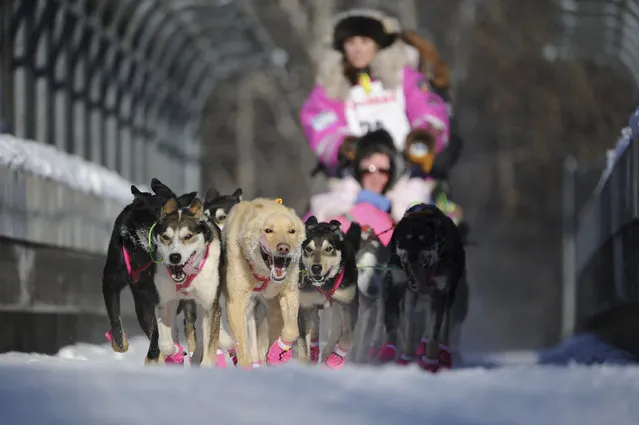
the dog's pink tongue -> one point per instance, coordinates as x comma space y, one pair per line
279, 272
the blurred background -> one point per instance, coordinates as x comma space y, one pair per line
206, 93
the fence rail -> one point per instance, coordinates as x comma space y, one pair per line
599, 253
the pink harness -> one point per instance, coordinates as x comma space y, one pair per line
336, 285
265, 280
133, 273
181, 287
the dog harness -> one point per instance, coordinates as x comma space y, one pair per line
336, 285
264, 279
133, 273
181, 287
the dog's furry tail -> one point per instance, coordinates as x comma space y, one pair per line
354, 235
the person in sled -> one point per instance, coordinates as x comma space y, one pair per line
377, 193
365, 82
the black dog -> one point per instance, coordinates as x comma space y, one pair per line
217, 206
129, 263
427, 262
328, 279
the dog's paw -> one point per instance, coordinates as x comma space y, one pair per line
177, 357
233, 356
117, 348
280, 352
159, 360
220, 359
404, 360
335, 360
167, 347
429, 365
387, 354
315, 351
445, 356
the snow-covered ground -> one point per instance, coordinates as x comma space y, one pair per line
89, 384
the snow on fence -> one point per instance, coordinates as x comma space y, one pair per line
52, 197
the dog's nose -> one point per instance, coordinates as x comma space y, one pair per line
283, 248
316, 268
175, 258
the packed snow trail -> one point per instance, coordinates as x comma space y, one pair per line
89, 384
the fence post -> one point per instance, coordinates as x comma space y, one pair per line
569, 286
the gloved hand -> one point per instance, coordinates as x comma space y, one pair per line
346, 152
420, 149
377, 200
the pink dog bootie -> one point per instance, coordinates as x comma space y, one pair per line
445, 360
336, 359
177, 357
233, 356
220, 359
404, 360
279, 353
109, 335
387, 354
315, 351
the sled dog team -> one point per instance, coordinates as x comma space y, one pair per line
256, 265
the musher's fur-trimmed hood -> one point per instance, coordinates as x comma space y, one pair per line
387, 65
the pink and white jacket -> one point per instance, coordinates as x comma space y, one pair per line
340, 201
401, 101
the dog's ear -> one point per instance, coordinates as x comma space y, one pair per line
161, 189
335, 225
311, 221
211, 194
354, 235
186, 199
135, 191
196, 208
238, 193
170, 206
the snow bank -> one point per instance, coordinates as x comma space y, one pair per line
89, 384
50, 163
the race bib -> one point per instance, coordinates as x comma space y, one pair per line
378, 109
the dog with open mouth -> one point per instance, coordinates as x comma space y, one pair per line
129, 263
216, 207
427, 263
190, 251
328, 280
262, 241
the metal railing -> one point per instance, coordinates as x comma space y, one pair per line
121, 83
600, 257
606, 32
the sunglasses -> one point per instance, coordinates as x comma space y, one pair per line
371, 169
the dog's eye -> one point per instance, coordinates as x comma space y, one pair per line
221, 218
166, 237
188, 236
308, 249
268, 230
291, 231
329, 249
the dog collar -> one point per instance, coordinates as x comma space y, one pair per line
264, 279
181, 287
134, 274
338, 281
